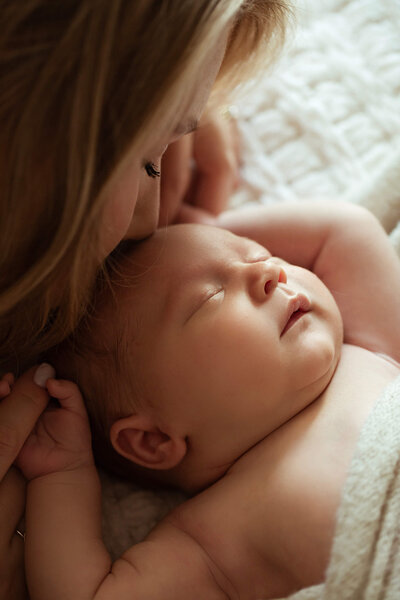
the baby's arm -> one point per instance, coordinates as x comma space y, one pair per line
65, 555
348, 249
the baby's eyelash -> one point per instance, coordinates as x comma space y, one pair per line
213, 294
202, 301
152, 170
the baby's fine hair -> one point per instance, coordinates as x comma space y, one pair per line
98, 356
82, 82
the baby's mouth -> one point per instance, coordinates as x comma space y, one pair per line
298, 306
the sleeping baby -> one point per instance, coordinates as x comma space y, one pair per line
242, 378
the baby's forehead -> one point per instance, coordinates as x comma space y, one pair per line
181, 243
150, 267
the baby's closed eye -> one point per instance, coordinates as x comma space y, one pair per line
216, 296
208, 298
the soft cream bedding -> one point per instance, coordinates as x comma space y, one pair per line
365, 560
323, 125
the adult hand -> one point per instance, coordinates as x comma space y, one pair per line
201, 170
21, 404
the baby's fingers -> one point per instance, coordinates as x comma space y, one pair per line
68, 395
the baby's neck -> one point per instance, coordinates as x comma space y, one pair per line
193, 477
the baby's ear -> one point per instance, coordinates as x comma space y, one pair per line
139, 440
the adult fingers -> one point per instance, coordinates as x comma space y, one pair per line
5, 388
192, 214
217, 165
12, 576
6, 383
19, 412
13, 584
12, 504
176, 172
9, 378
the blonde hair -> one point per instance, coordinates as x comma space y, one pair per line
69, 71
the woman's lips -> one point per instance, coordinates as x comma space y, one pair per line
298, 306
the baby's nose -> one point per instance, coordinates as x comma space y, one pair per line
266, 276
277, 275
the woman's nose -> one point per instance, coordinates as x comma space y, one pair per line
263, 277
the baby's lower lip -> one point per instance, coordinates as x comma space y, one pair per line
293, 319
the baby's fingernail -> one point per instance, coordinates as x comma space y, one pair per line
43, 373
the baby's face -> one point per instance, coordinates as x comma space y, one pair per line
229, 342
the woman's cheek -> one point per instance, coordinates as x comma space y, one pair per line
122, 196
146, 210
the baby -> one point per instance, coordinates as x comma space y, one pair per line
244, 379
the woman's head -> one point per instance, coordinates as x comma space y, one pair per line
91, 92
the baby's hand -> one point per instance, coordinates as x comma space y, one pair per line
61, 439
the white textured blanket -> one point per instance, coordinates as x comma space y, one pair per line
324, 125
365, 560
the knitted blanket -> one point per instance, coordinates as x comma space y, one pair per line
324, 125
365, 559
